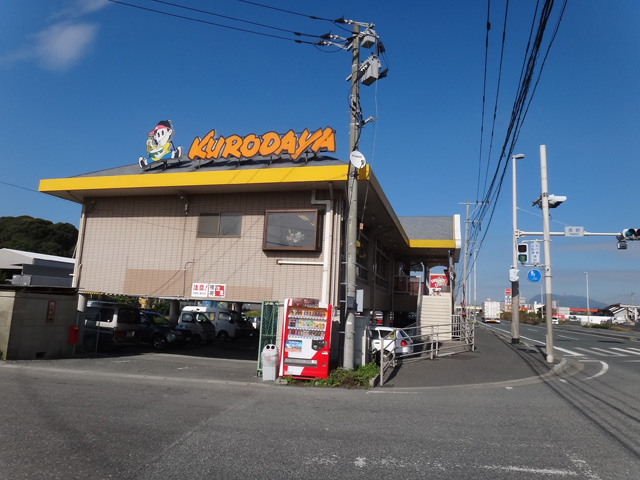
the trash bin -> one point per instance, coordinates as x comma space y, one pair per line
269, 362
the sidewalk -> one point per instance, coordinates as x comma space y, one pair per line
494, 360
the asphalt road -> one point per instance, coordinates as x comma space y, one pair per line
169, 416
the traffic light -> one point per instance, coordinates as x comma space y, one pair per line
555, 200
631, 234
523, 253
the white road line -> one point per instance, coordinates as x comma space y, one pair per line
570, 352
601, 352
595, 353
570, 338
634, 349
605, 367
629, 350
565, 350
583, 467
608, 352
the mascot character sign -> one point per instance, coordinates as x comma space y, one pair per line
159, 145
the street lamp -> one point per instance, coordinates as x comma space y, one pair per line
588, 309
513, 274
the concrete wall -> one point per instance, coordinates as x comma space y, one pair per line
35, 321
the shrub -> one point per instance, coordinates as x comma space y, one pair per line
341, 378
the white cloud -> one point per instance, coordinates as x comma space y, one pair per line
61, 46
64, 43
79, 8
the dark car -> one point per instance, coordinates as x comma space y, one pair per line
158, 331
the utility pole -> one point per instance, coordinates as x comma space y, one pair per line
515, 280
465, 295
352, 192
547, 251
464, 262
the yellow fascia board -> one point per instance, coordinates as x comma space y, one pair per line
200, 178
450, 244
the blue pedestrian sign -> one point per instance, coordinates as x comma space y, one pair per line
534, 275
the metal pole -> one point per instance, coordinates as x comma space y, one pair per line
515, 283
547, 251
464, 263
352, 218
475, 309
588, 309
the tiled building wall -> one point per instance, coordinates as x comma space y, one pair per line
148, 246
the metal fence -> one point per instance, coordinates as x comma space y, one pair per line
427, 342
268, 328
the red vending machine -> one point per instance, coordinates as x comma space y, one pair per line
306, 335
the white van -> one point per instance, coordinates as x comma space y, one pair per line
228, 323
195, 320
109, 325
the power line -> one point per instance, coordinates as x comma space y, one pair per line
313, 17
522, 102
517, 116
206, 12
18, 186
244, 30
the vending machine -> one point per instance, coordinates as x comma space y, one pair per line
306, 334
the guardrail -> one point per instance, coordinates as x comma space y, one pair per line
428, 342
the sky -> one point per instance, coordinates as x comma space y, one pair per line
83, 81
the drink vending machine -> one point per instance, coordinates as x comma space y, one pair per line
306, 335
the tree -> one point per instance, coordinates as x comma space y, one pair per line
37, 235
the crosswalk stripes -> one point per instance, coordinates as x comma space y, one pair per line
628, 350
607, 353
604, 352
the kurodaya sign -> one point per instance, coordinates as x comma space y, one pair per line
271, 143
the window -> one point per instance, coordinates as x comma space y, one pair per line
382, 265
362, 257
212, 225
291, 230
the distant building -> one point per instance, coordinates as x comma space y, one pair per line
36, 269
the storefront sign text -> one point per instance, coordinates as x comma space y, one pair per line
270, 143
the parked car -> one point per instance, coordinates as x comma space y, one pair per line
110, 325
394, 341
158, 331
195, 321
228, 324
255, 321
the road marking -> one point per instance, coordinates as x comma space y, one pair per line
607, 352
584, 468
628, 350
603, 353
605, 367
570, 338
570, 352
539, 471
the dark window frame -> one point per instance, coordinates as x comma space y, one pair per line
220, 227
286, 240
